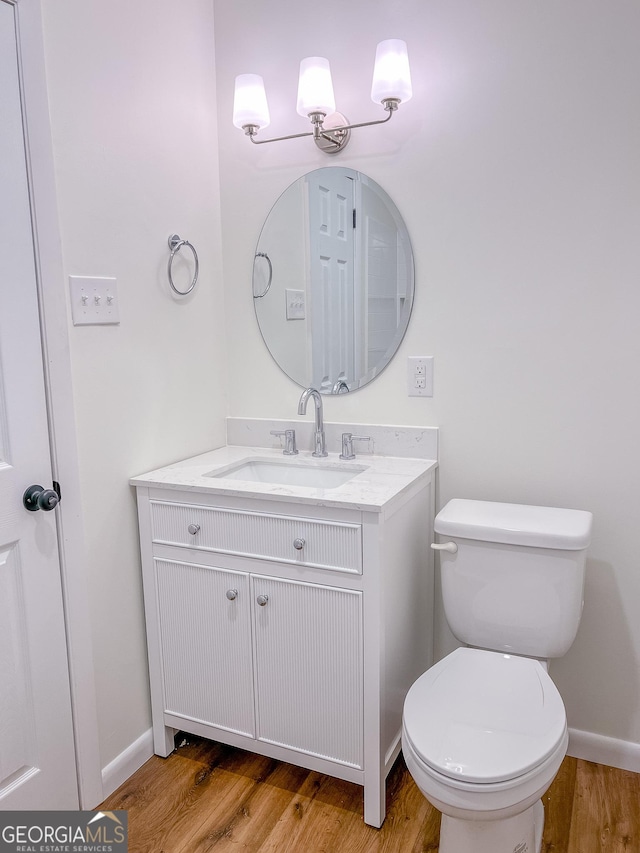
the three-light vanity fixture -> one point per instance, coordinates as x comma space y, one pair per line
331, 131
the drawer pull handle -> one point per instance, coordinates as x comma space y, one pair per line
193, 529
298, 544
232, 594
262, 600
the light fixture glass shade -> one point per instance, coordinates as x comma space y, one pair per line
250, 102
315, 89
391, 75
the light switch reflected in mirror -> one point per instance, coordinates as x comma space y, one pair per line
333, 280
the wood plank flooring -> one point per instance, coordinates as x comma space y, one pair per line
209, 797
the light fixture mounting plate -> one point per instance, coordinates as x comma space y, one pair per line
338, 138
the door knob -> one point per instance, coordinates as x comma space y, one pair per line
262, 600
37, 497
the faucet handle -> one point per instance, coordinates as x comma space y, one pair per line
290, 448
347, 444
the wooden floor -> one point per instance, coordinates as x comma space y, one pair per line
209, 797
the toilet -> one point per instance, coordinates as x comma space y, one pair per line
484, 731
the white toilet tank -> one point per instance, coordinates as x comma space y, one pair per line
515, 583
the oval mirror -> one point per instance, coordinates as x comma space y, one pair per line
333, 280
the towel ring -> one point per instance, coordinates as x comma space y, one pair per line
268, 260
175, 244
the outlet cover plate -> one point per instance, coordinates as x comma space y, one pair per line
420, 376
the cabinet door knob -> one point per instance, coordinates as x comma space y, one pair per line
298, 544
262, 600
193, 528
232, 594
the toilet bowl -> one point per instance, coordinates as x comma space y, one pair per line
484, 734
484, 730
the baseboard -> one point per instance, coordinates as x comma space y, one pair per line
622, 754
126, 764
392, 753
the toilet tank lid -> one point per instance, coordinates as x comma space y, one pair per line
516, 524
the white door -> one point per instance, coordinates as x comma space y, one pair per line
331, 271
37, 759
380, 261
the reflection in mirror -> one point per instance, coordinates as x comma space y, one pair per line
333, 280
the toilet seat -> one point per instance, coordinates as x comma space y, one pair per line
484, 717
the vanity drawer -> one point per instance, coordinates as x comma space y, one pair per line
317, 543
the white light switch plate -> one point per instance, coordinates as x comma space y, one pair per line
94, 301
295, 304
420, 376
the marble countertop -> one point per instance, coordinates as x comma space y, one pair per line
380, 479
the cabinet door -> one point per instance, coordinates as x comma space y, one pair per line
309, 682
205, 639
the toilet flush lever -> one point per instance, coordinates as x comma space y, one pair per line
450, 547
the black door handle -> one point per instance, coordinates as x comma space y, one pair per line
36, 497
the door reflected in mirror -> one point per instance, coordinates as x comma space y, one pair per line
333, 280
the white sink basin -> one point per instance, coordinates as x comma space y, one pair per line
289, 473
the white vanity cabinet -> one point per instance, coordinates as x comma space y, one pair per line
289, 629
306, 669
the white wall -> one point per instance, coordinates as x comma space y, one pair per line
516, 169
132, 99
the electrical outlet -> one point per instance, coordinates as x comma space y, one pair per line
94, 301
420, 376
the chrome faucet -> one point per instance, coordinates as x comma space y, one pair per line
319, 439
